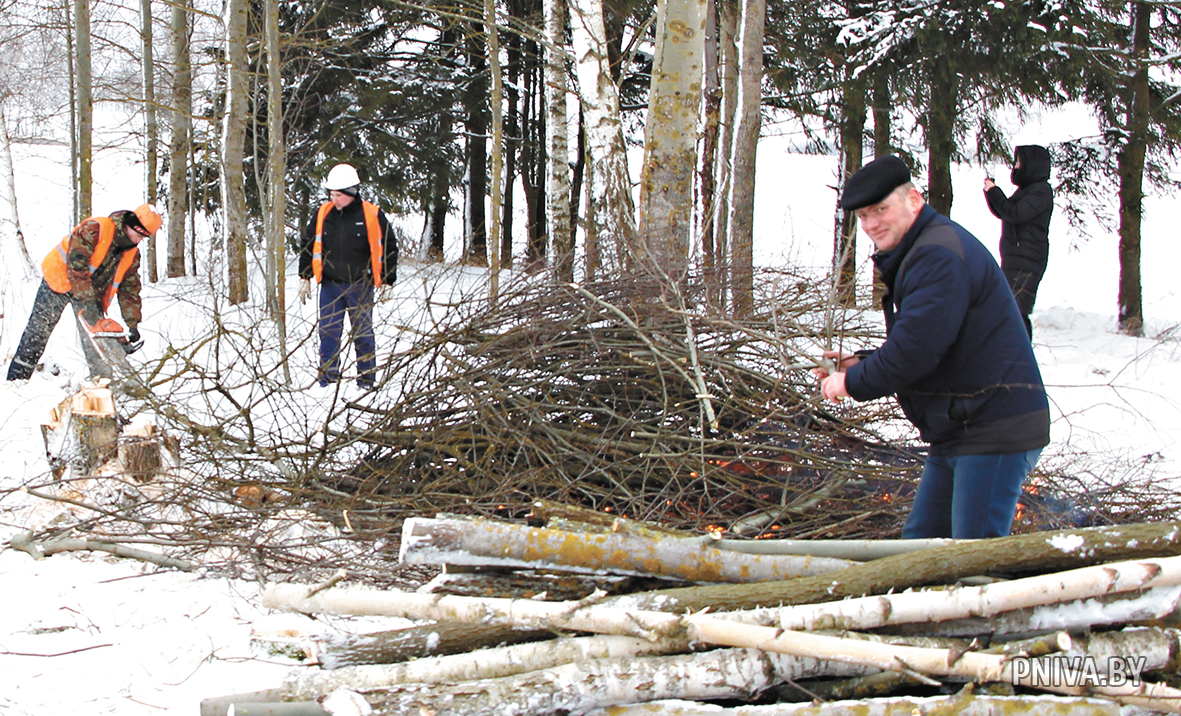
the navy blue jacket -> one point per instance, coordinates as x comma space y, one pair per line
956, 353
1025, 216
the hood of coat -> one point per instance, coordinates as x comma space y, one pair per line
1035, 165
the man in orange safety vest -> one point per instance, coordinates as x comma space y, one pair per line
97, 262
350, 250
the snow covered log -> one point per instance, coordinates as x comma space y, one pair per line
503, 544
481, 664
963, 704
597, 683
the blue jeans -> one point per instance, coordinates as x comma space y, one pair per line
969, 496
356, 299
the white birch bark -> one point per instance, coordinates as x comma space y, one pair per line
180, 142
28, 267
609, 182
472, 666
909, 659
576, 688
614, 617
728, 80
559, 174
670, 139
964, 602
486, 542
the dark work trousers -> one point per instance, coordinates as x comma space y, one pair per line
356, 299
47, 311
1024, 285
968, 496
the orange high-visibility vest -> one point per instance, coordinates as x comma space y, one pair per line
58, 276
371, 226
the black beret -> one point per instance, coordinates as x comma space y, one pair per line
874, 182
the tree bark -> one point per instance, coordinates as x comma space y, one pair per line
178, 160
276, 224
743, 153
963, 704
941, 565
334, 651
576, 688
844, 258
30, 269
488, 543
944, 89
477, 665
557, 136
85, 98
611, 225
497, 178
151, 132
670, 141
1131, 174
234, 147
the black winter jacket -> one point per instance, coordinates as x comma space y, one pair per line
956, 353
1025, 216
346, 247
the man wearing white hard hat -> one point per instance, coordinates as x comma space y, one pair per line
350, 251
97, 262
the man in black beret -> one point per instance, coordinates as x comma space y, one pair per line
956, 357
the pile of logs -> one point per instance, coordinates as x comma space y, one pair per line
574, 612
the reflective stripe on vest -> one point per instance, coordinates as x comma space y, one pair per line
372, 227
57, 274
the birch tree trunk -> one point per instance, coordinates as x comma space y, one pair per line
670, 140
576, 688
557, 136
964, 704
28, 267
485, 542
234, 147
611, 224
178, 161
85, 98
743, 152
477, 665
276, 222
151, 131
497, 177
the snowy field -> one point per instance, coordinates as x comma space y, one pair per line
89, 634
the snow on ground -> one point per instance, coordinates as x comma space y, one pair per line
88, 633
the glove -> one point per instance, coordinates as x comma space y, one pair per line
106, 325
134, 342
305, 289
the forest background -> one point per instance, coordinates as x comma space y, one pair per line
236, 110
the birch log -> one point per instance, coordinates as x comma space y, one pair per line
1018, 554
491, 543
577, 688
333, 651
618, 615
939, 605
477, 665
939, 662
961, 705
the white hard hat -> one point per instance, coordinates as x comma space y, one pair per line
341, 176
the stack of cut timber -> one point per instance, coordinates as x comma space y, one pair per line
1076, 622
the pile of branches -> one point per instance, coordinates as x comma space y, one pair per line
612, 398
1080, 622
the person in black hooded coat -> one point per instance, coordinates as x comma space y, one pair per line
1025, 225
